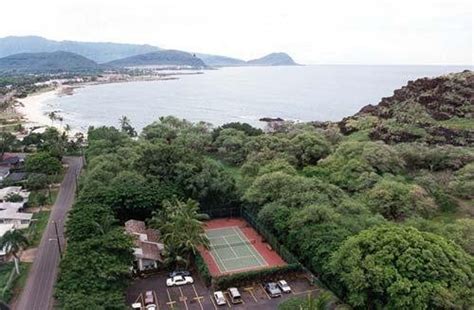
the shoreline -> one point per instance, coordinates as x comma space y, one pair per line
30, 109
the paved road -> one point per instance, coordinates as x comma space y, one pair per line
38, 291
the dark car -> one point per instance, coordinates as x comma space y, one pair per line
183, 273
272, 289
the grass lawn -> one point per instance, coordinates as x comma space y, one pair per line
38, 226
18, 282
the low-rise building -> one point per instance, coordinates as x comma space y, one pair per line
6, 191
148, 248
10, 213
3, 229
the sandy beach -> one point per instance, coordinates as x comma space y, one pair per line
31, 108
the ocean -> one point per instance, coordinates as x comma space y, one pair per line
241, 94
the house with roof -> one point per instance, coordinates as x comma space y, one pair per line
3, 230
10, 213
147, 246
13, 160
4, 173
7, 191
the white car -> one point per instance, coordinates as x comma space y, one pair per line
219, 298
284, 287
150, 302
179, 280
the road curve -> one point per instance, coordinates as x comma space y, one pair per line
38, 291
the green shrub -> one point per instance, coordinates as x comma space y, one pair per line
245, 278
201, 267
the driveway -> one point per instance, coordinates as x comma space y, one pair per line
38, 291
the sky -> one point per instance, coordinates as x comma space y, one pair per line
311, 31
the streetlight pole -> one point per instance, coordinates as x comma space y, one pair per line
57, 239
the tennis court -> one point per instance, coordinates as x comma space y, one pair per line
233, 251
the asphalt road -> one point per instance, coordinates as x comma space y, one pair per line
38, 291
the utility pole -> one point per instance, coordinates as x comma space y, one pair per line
57, 239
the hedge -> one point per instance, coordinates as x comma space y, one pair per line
245, 278
202, 269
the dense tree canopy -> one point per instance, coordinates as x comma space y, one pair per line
402, 268
342, 204
43, 162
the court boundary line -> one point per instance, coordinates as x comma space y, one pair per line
217, 258
230, 246
221, 263
252, 249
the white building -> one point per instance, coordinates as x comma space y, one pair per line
3, 229
6, 191
10, 213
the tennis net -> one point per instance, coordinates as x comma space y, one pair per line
231, 244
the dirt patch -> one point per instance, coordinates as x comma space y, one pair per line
28, 256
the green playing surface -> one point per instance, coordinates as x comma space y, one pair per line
232, 250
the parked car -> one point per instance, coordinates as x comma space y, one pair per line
284, 287
219, 298
179, 280
235, 296
272, 289
175, 273
150, 302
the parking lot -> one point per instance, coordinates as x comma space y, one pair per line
198, 296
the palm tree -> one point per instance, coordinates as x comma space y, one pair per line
124, 121
60, 119
181, 227
67, 128
52, 116
12, 241
319, 303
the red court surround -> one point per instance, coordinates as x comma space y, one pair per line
271, 257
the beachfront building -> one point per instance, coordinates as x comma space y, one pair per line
148, 248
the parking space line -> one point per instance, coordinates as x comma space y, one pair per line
227, 297
250, 290
213, 303
183, 298
140, 296
156, 300
171, 301
306, 292
265, 291
198, 298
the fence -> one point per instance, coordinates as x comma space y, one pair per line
269, 237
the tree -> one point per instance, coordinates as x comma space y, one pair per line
397, 267
14, 197
308, 148
43, 162
6, 141
52, 116
37, 181
246, 128
321, 302
397, 200
12, 242
180, 225
127, 127
463, 182
230, 144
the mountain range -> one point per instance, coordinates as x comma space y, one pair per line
35, 54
